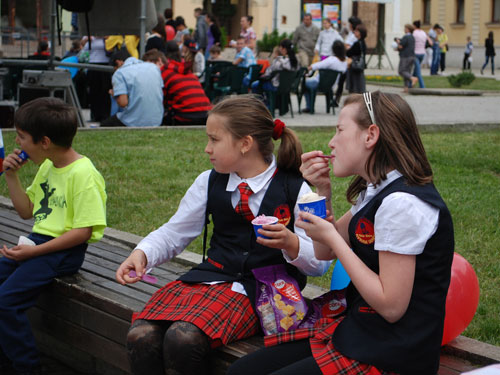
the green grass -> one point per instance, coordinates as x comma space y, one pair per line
147, 173
438, 82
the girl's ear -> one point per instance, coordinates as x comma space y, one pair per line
372, 135
246, 144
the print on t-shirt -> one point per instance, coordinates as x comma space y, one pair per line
44, 210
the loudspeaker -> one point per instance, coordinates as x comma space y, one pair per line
7, 110
27, 93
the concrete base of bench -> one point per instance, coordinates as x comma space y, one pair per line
82, 320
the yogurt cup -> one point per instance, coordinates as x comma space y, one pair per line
261, 220
315, 206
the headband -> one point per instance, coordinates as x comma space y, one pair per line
367, 96
278, 129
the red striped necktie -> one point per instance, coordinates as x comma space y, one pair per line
242, 207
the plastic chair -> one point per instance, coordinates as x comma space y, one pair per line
230, 80
286, 80
254, 71
298, 85
215, 72
327, 78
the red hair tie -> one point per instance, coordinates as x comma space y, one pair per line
278, 129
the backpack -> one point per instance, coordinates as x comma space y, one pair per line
76, 6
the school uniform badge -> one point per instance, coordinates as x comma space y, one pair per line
282, 212
365, 232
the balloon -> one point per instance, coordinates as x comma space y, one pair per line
170, 31
462, 298
340, 278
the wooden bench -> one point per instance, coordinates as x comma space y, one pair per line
82, 320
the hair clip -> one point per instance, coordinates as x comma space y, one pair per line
367, 96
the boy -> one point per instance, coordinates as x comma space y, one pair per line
215, 52
67, 199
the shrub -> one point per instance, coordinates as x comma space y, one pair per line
461, 79
271, 40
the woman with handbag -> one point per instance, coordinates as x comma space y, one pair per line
355, 73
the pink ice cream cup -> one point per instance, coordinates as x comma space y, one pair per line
261, 220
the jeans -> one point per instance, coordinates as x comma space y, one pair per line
417, 71
311, 85
492, 63
436, 56
20, 285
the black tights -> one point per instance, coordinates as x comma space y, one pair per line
294, 358
165, 348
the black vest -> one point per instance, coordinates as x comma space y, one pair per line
412, 344
233, 251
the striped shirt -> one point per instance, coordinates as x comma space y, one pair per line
183, 93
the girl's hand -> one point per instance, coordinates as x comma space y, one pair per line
13, 162
318, 229
137, 261
18, 253
316, 170
279, 237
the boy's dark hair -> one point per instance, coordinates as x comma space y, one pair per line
122, 54
48, 117
179, 20
416, 24
215, 49
173, 52
168, 13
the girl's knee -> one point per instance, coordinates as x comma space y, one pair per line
144, 332
183, 340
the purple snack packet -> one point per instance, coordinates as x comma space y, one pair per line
328, 305
280, 305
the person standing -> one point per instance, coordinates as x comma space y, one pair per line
443, 46
350, 39
436, 53
467, 54
213, 33
158, 36
326, 38
356, 77
420, 40
248, 33
489, 45
305, 37
200, 32
406, 47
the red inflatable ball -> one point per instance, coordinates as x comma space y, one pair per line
170, 31
462, 299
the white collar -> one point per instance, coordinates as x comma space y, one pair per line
372, 190
256, 183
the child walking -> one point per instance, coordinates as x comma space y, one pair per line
401, 236
213, 304
67, 199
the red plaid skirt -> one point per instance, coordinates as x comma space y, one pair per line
329, 360
223, 315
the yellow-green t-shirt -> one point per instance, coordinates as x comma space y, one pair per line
68, 198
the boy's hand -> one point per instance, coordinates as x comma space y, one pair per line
13, 162
279, 237
18, 252
137, 261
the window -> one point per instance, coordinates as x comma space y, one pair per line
495, 11
426, 16
460, 11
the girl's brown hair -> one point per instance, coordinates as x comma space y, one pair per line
399, 145
247, 115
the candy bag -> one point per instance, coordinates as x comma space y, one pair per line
280, 305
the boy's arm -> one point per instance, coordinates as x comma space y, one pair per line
19, 198
67, 240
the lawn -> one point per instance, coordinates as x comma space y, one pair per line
437, 82
148, 171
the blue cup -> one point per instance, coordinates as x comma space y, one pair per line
256, 227
317, 207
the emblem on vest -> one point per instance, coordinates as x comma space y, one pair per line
365, 232
282, 212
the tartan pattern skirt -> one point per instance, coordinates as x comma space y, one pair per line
329, 360
223, 315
